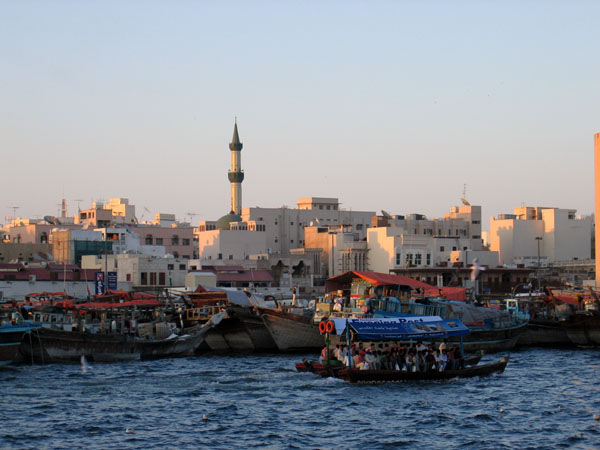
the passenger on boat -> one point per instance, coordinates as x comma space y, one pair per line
410, 362
370, 359
430, 361
443, 360
359, 360
336, 352
323, 356
451, 364
442, 346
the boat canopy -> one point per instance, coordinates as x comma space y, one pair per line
401, 328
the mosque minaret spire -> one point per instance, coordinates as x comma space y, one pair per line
236, 174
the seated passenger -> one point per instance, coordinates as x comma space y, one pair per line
443, 360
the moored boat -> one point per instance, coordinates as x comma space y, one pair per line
292, 332
45, 345
11, 335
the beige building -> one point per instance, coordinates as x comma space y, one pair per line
229, 245
401, 241
341, 248
550, 234
284, 227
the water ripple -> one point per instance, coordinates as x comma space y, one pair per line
545, 399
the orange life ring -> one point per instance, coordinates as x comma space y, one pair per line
322, 327
329, 327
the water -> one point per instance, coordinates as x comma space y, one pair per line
548, 398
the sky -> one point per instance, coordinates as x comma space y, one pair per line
385, 105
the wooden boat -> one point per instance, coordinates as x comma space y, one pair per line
11, 337
261, 339
398, 329
544, 333
491, 340
330, 368
292, 332
51, 345
384, 376
583, 329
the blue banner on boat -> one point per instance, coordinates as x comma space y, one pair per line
403, 328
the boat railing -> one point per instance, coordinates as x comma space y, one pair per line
203, 313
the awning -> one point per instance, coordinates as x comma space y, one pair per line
402, 328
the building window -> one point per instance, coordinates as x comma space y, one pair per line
409, 259
398, 259
159, 241
170, 266
428, 259
128, 277
291, 224
144, 278
181, 266
175, 240
418, 259
441, 248
320, 206
175, 255
291, 241
230, 256
453, 249
152, 278
185, 241
161, 279
328, 206
220, 256
148, 239
359, 226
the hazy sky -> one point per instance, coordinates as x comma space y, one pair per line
385, 105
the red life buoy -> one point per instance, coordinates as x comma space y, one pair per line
330, 326
322, 327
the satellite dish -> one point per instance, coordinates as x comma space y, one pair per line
52, 220
386, 214
465, 201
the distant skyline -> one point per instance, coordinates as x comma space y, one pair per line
384, 105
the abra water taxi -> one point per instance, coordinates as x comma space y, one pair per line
397, 331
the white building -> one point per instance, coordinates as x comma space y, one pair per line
283, 228
141, 270
415, 241
559, 235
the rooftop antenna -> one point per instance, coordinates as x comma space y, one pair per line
146, 210
464, 197
78, 200
14, 208
191, 215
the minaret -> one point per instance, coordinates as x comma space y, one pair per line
236, 174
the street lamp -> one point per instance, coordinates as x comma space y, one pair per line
538, 239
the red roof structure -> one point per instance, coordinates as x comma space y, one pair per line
384, 279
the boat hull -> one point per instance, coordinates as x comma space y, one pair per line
544, 333
583, 330
490, 340
292, 332
395, 376
11, 337
47, 345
